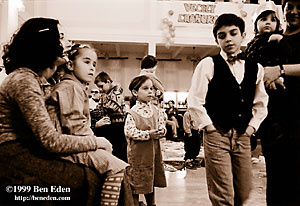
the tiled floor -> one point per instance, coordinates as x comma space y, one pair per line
188, 187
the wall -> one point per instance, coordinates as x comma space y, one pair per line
175, 76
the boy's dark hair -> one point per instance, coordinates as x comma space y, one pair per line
228, 20
135, 84
35, 45
265, 14
102, 77
172, 101
148, 61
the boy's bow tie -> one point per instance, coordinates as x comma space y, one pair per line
232, 59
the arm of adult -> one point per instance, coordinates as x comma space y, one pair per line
161, 123
28, 95
273, 72
187, 123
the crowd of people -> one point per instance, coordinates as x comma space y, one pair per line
109, 153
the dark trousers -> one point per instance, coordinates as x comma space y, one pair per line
283, 174
114, 132
192, 145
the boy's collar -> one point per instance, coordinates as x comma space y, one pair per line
225, 55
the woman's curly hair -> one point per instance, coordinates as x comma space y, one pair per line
36, 45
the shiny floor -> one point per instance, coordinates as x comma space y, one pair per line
188, 188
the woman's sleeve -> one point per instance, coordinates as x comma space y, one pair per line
29, 97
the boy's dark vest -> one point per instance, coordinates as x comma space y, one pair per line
229, 104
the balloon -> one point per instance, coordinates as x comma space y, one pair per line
171, 41
171, 12
165, 20
167, 44
172, 34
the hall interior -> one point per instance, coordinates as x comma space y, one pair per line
123, 32
178, 33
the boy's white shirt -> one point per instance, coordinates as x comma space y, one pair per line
204, 73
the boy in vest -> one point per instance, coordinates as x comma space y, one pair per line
228, 99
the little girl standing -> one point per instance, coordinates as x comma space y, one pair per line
144, 125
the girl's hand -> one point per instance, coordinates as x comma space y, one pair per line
103, 143
155, 134
275, 37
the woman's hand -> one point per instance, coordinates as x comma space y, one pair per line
274, 85
103, 121
271, 74
275, 37
103, 143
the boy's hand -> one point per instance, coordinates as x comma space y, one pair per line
275, 37
103, 121
250, 130
103, 143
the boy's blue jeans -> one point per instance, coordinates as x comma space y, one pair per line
228, 167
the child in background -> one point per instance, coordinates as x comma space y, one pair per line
68, 107
94, 98
148, 68
228, 99
144, 126
111, 105
173, 114
192, 141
